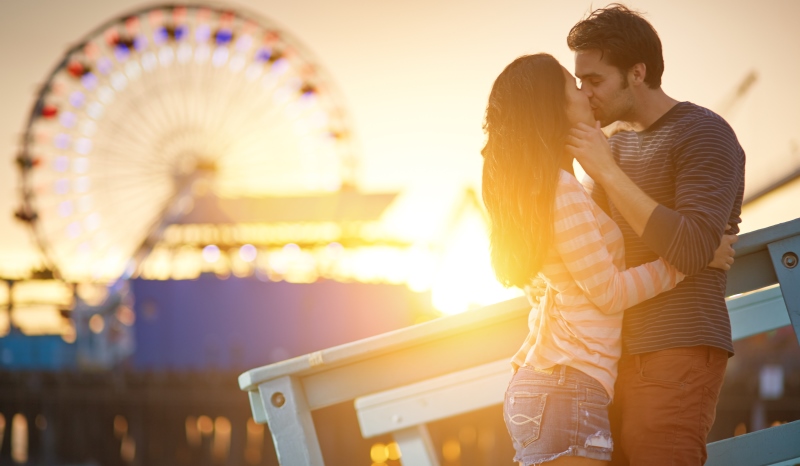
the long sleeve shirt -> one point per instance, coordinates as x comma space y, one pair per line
690, 162
578, 322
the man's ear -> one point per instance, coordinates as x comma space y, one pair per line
637, 74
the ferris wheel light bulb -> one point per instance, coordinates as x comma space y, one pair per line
95, 110
119, 81
211, 253
68, 119
220, 56
104, 65
248, 253
62, 186
65, 209
244, 43
62, 141
77, 99
83, 146
140, 43
74, 230
133, 70
105, 94
61, 163
203, 33
89, 81
121, 53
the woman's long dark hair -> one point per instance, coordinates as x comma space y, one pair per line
526, 124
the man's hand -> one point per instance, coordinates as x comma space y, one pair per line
535, 291
590, 148
723, 256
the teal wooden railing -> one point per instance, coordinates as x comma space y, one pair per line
763, 258
459, 353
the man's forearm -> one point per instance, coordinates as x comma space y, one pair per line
634, 205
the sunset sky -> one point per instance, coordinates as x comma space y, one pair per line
415, 76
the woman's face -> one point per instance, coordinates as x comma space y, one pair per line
578, 108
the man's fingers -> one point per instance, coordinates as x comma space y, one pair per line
572, 151
577, 134
574, 142
729, 239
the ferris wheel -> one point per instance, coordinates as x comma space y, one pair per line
159, 103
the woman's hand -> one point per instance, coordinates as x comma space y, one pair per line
535, 291
723, 256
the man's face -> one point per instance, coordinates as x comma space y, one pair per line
609, 95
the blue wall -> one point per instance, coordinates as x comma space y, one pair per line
242, 323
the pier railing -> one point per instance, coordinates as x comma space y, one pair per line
403, 379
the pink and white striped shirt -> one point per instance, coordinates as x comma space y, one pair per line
579, 320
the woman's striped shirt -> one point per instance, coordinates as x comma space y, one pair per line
579, 321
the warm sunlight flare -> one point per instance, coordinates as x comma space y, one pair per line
465, 279
443, 248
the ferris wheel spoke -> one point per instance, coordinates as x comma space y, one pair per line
258, 129
146, 215
100, 179
231, 99
114, 153
129, 188
256, 101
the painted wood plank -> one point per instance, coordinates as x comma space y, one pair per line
433, 399
757, 312
763, 447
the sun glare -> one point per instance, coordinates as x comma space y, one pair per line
465, 279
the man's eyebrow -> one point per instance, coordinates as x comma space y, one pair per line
588, 75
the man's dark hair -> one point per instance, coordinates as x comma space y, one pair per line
624, 37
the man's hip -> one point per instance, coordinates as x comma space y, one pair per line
665, 405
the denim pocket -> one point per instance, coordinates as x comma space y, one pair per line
596, 397
523, 416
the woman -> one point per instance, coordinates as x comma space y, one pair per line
544, 224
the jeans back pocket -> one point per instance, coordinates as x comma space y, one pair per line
523, 416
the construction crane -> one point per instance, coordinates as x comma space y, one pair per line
733, 99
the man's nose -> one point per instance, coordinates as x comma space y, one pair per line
586, 90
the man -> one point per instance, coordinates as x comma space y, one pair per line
673, 183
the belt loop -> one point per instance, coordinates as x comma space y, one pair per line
563, 371
708, 356
638, 360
